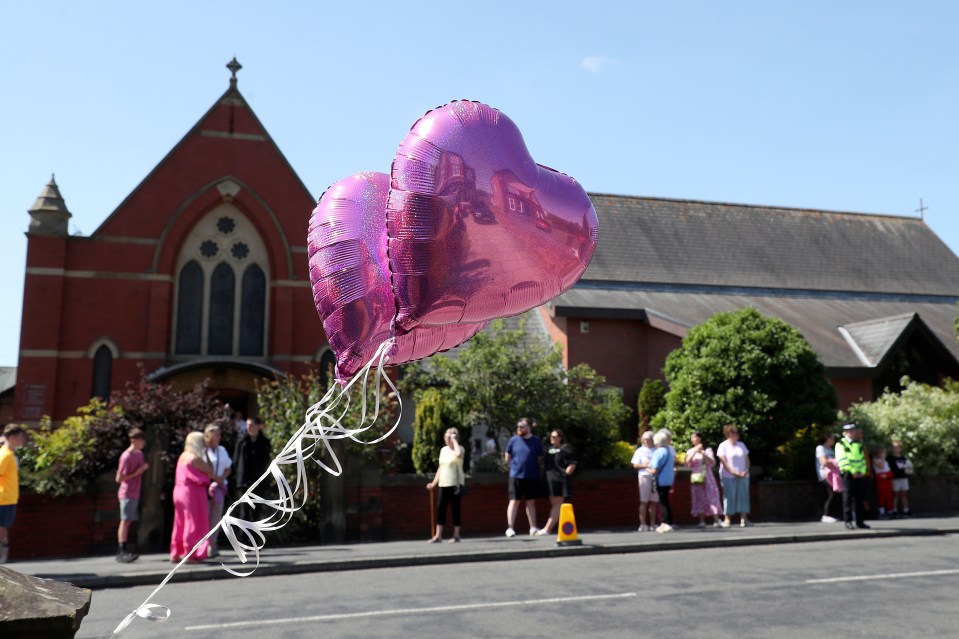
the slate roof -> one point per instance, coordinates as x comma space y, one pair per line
850, 283
8, 378
688, 242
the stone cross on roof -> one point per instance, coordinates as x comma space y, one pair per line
233, 66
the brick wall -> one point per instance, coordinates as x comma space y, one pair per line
383, 508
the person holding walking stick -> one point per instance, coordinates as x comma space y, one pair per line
449, 478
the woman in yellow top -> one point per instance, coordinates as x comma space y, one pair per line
449, 477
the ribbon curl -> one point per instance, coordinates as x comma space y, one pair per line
323, 423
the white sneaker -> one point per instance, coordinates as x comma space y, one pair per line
724, 524
644, 528
664, 528
534, 531
510, 532
826, 519
541, 532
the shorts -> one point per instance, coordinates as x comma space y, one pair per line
900, 484
522, 488
7, 513
646, 490
129, 510
559, 485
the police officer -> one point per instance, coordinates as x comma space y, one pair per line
851, 457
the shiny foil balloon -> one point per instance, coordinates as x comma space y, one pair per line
350, 275
476, 229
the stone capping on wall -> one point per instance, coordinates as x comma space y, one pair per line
381, 507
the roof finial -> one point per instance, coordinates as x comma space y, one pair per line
233, 66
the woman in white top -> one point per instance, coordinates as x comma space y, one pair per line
217, 456
734, 460
449, 477
648, 499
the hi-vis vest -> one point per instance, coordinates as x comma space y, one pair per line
850, 457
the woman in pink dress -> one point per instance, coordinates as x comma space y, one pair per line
191, 519
705, 495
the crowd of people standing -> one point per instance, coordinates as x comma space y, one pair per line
201, 487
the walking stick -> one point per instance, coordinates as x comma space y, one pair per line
432, 516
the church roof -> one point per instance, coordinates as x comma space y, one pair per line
852, 284
709, 243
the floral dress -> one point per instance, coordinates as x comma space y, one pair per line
705, 497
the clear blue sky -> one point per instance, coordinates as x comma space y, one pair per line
848, 106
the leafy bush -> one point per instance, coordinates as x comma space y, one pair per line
57, 461
618, 455
431, 422
501, 375
652, 399
69, 462
745, 368
924, 418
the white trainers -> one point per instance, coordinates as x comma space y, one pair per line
826, 519
510, 532
534, 531
541, 532
644, 528
664, 528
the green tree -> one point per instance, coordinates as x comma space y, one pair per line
432, 420
745, 368
501, 375
924, 418
652, 399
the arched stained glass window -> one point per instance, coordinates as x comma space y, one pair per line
189, 309
252, 311
222, 295
102, 373
222, 288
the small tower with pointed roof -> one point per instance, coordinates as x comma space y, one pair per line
49, 214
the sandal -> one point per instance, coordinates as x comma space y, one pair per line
434, 540
454, 540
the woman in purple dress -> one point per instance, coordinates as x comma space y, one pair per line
704, 489
191, 519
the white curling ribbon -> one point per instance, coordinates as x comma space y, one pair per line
322, 424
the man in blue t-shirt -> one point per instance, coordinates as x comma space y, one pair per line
524, 454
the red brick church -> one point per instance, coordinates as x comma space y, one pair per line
201, 272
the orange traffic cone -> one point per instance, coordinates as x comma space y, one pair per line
567, 527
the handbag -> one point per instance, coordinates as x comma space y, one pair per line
699, 477
461, 488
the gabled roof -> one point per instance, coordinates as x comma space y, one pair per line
230, 118
872, 340
852, 284
658, 240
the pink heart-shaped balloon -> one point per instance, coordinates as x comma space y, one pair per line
349, 272
476, 229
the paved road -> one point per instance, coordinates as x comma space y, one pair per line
889, 586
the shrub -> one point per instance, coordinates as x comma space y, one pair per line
924, 418
651, 400
431, 422
745, 368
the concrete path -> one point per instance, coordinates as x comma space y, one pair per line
106, 572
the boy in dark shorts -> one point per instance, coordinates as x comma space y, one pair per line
129, 475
